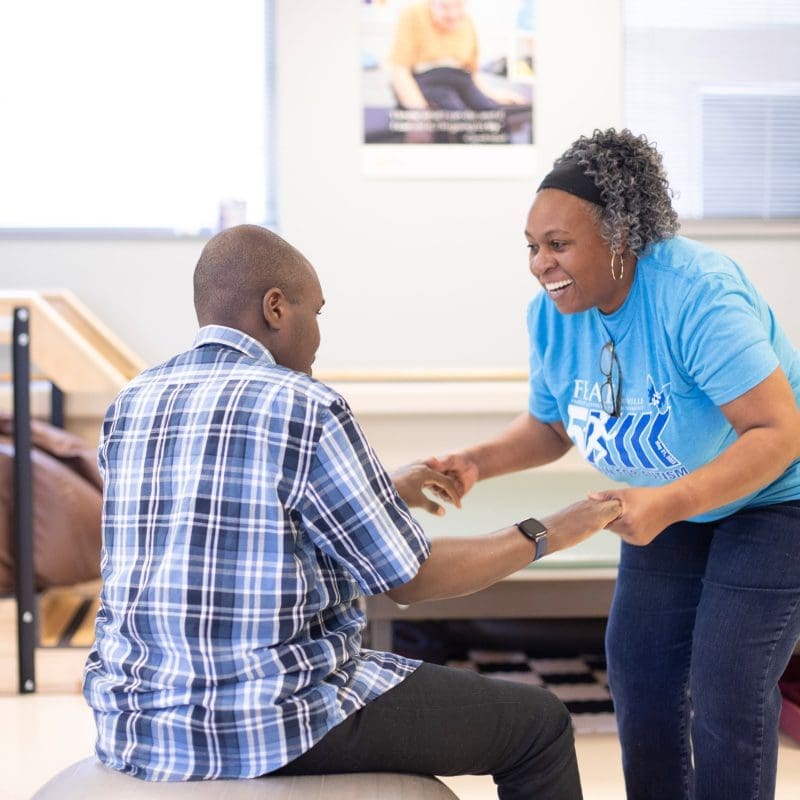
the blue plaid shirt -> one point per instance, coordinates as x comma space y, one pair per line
244, 516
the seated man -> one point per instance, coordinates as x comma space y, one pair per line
244, 517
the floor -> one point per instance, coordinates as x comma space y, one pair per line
42, 733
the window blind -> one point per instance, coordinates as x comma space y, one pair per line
716, 86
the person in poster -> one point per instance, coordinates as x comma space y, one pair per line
440, 87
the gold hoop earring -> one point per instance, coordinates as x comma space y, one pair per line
621, 266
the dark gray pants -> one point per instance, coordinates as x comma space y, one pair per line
453, 89
443, 721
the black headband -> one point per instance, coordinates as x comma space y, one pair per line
569, 176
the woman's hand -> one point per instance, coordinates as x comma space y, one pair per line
411, 479
645, 512
459, 467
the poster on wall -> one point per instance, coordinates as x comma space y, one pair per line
448, 88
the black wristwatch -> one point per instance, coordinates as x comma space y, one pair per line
537, 533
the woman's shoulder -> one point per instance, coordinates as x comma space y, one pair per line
687, 280
679, 252
681, 260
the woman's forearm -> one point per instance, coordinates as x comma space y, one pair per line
525, 443
753, 461
767, 420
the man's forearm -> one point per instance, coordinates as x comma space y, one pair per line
463, 565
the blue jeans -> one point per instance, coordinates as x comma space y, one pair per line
703, 623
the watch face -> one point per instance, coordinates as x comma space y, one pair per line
532, 528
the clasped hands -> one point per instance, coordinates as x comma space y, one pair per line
411, 479
645, 512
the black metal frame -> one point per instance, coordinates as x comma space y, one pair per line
27, 626
56, 406
24, 568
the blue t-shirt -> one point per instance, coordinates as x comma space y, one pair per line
692, 335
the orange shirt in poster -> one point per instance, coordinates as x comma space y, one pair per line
420, 45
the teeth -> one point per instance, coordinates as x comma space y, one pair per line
552, 287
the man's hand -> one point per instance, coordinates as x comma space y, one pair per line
411, 479
459, 467
645, 512
579, 521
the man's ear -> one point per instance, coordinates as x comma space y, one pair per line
273, 307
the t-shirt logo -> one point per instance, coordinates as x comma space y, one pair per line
659, 399
628, 445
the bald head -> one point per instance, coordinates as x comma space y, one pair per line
250, 279
237, 267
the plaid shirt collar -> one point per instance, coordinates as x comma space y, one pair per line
231, 337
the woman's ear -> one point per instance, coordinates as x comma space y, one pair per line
621, 247
273, 307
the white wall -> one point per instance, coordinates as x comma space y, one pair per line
422, 273
417, 273
141, 289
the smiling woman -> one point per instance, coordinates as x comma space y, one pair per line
705, 428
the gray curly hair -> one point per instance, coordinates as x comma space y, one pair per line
629, 172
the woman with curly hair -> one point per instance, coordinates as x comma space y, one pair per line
657, 358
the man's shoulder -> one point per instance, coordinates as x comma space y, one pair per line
272, 380
305, 386
254, 381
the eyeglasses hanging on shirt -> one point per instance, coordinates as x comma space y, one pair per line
611, 391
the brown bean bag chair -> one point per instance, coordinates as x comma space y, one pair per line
67, 503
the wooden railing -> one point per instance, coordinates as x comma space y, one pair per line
69, 344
